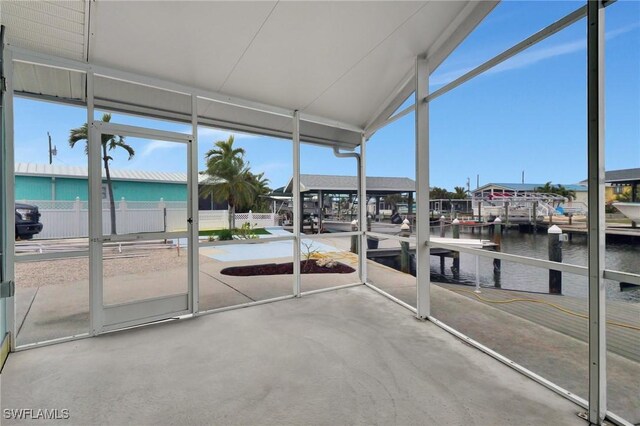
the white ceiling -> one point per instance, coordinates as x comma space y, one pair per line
340, 60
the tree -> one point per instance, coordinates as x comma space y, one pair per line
229, 179
547, 188
109, 143
261, 188
569, 194
460, 193
439, 194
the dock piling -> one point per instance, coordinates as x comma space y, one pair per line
497, 239
354, 238
456, 257
555, 255
405, 231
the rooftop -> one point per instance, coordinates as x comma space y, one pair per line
527, 186
350, 183
620, 176
342, 65
77, 172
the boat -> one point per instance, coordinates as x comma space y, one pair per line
630, 210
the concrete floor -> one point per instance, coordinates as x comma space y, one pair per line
342, 357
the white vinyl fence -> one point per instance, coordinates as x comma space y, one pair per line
70, 219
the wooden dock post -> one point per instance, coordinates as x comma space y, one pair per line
442, 226
555, 255
354, 238
456, 255
405, 257
497, 239
535, 217
506, 214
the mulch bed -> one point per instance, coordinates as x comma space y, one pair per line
309, 267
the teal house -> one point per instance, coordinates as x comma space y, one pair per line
44, 182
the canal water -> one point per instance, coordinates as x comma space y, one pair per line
620, 256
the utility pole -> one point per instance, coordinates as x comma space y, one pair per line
52, 151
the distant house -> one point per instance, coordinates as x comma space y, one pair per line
522, 188
618, 182
45, 182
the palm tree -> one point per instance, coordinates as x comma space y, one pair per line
261, 188
547, 188
569, 194
460, 192
109, 143
229, 179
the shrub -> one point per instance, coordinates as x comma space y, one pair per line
225, 235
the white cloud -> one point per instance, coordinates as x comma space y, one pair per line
154, 146
531, 56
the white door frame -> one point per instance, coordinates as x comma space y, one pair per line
112, 317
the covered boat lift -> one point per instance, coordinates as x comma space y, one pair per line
325, 73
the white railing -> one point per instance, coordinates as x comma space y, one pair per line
256, 220
70, 219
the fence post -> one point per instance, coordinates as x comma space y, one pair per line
250, 219
77, 207
123, 220
163, 208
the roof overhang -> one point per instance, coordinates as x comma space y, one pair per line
343, 65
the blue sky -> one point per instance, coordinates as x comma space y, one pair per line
527, 114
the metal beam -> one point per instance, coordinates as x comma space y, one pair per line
596, 216
8, 193
423, 278
28, 56
523, 45
297, 212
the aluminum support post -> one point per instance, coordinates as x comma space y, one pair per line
423, 280
297, 210
8, 169
95, 218
362, 211
193, 214
596, 217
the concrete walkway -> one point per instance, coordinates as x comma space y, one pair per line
523, 338
342, 357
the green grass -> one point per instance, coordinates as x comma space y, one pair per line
216, 232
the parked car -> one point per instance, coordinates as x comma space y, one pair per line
27, 221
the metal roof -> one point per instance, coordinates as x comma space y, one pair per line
350, 183
620, 176
76, 172
527, 187
342, 65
